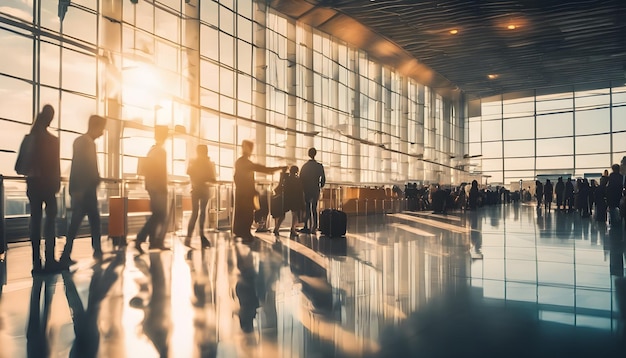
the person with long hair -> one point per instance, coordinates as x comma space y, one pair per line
42, 183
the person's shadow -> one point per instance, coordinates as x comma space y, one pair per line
87, 334
36, 338
156, 324
245, 288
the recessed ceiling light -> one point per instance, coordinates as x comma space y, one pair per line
511, 27
492, 76
454, 31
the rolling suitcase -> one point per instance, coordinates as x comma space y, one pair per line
333, 223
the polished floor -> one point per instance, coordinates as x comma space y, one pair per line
503, 281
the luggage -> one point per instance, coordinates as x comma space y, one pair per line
333, 222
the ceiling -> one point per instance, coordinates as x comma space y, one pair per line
523, 44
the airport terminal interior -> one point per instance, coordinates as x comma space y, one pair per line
407, 103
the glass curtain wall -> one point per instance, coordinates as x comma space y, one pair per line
216, 73
571, 133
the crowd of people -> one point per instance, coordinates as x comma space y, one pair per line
39, 161
583, 196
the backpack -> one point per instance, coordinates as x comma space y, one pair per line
24, 162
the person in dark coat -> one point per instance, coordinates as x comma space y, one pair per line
84, 181
539, 192
313, 180
559, 188
42, 183
548, 193
583, 198
473, 195
568, 195
600, 201
155, 173
614, 187
201, 171
245, 191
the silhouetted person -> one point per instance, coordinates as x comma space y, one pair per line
583, 198
293, 200
313, 179
155, 173
568, 195
201, 172
539, 192
559, 188
614, 187
245, 191
548, 193
473, 195
43, 182
84, 181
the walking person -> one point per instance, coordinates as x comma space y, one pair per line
313, 179
84, 181
154, 170
201, 172
245, 191
43, 181
293, 200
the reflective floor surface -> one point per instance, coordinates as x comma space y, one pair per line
503, 281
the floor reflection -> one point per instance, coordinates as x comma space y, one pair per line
498, 281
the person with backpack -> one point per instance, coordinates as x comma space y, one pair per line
39, 160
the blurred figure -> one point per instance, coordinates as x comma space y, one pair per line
293, 200
155, 173
201, 172
614, 188
568, 195
539, 192
473, 195
84, 181
559, 188
43, 182
313, 179
245, 191
548, 193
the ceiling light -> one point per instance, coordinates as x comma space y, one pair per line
492, 76
454, 31
511, 27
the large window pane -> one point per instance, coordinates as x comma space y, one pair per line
596, 161
519, 164
492, 149
492, 130
593, 144
209, 41
519, 128
80, 24
522, 148
78, 72
50, 64
556, 146
619, 116
20, 62
555, 125
16, 100
555, 164
17, 8
593, 121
